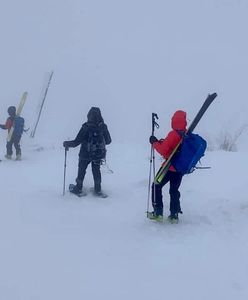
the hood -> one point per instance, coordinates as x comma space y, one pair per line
94, 115
178, 121
12, 111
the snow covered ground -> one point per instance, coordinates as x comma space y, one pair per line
55, 247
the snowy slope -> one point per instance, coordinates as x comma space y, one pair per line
130, 58
56, 247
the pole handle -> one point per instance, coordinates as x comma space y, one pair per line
154, 123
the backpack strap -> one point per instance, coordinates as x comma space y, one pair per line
181, 133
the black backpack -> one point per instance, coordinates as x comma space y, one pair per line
96, 146
18, 126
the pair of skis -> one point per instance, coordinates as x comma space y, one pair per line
165, 167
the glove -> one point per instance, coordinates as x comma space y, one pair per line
2, 126
66, 145
153, 139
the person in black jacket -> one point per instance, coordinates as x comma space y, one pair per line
93, 136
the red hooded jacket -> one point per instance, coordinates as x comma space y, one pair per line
165, 147
8, 124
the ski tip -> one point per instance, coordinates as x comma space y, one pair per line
212, 96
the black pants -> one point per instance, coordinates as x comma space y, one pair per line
95, 166
175, 180
15, 140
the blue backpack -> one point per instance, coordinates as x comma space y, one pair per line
191, 151
18, 126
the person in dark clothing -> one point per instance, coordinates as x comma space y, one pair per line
165, 147
93, 136
14, 137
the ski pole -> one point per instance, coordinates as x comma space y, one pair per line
152, 161
42, 104
66, 149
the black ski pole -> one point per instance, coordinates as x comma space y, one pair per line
66, 149
152, 160
42, 104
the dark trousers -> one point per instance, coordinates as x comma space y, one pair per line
95, 166
16, 142
175, 180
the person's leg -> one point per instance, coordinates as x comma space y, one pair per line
82, 166
9, 149
17, 146
175, 181
157, 197
95, 165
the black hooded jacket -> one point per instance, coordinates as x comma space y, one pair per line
95, 122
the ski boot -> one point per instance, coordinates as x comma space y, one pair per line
18, 157
77, 190
152, 216
8, 156
173, 218
99, 194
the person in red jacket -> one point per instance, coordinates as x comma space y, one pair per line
165, 147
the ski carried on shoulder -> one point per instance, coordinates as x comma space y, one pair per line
18, 112
165, 167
